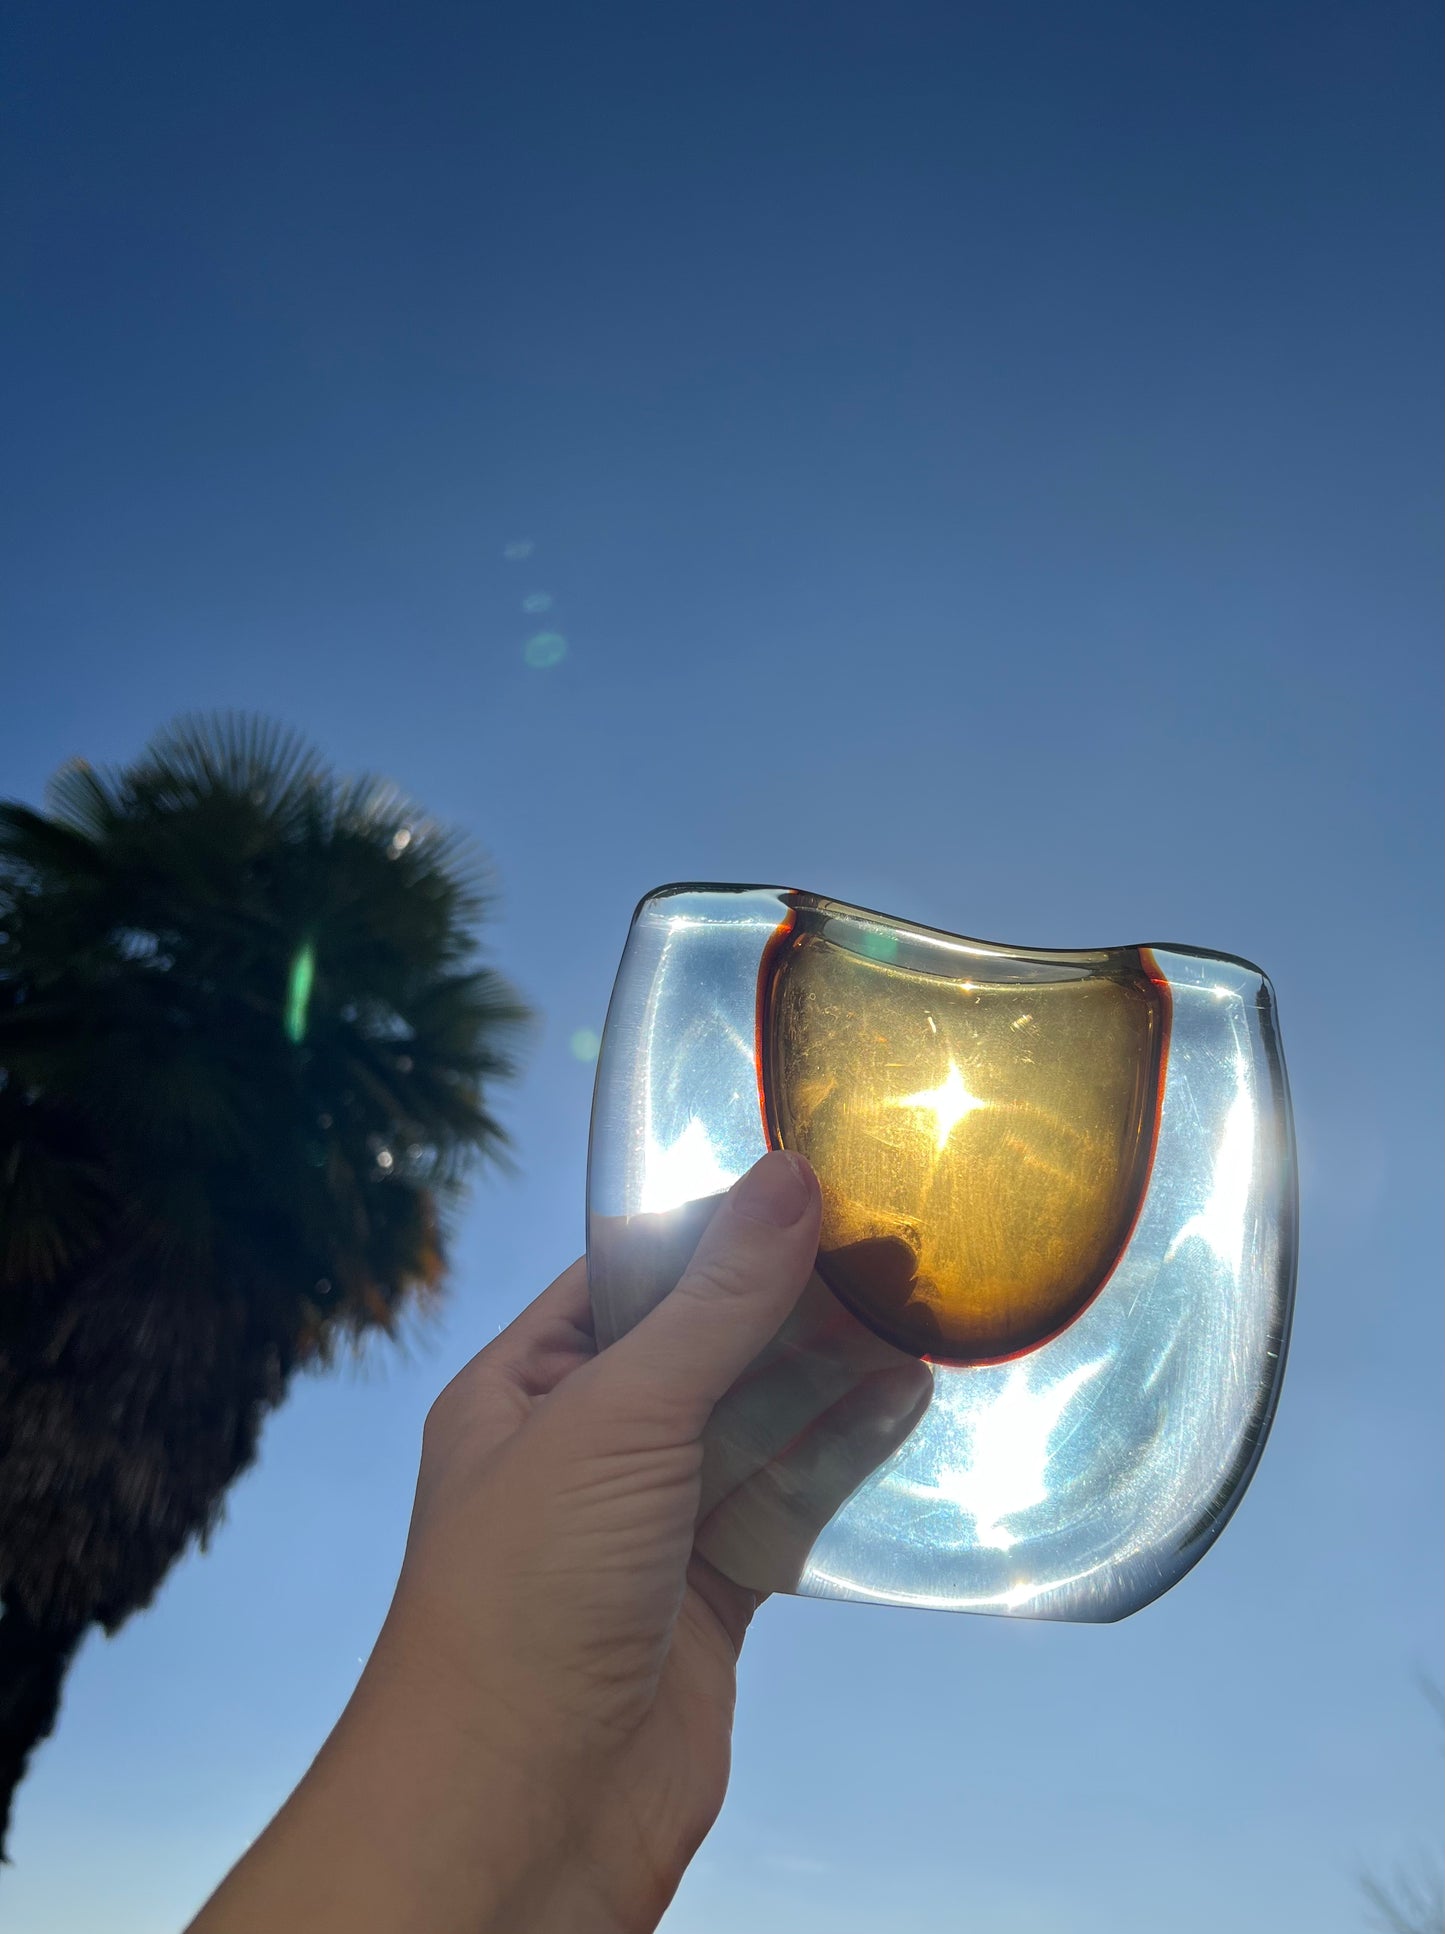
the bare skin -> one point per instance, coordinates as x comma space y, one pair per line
541, 1737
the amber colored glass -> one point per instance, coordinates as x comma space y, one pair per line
983, 1134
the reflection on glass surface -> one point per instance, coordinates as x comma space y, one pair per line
682, 1171
1220, 1223
1003, 1468
1064, 1180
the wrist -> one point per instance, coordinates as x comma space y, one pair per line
455, 1802
416, 1813
491, 1800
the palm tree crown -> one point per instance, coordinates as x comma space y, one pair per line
246, 1051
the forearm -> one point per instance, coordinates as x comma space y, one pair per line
416, 1816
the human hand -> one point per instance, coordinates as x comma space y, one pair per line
541, 1737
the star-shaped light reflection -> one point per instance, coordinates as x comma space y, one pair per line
949, 1103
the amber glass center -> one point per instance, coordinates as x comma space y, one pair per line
983, 1144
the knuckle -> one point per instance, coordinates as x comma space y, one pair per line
716, 1278
452, 1403
436, 1427
637, 1407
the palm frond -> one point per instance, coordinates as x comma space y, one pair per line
237, 753
82, 799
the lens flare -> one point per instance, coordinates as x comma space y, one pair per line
298, 991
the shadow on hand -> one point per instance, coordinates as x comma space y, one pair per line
822, 1407
812, 1417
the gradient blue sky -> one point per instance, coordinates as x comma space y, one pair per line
983, 459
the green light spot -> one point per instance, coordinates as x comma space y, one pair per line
877, 945
298, 991
548, 648
584, 1044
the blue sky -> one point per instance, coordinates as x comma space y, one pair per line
982, 460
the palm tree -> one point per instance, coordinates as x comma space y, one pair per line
246, 1052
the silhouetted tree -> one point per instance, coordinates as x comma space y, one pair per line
246, 1045
1411, 1899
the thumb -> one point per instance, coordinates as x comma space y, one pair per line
750, 1268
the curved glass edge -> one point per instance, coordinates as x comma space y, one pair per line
712, 899
676, 1116
1084, 1480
